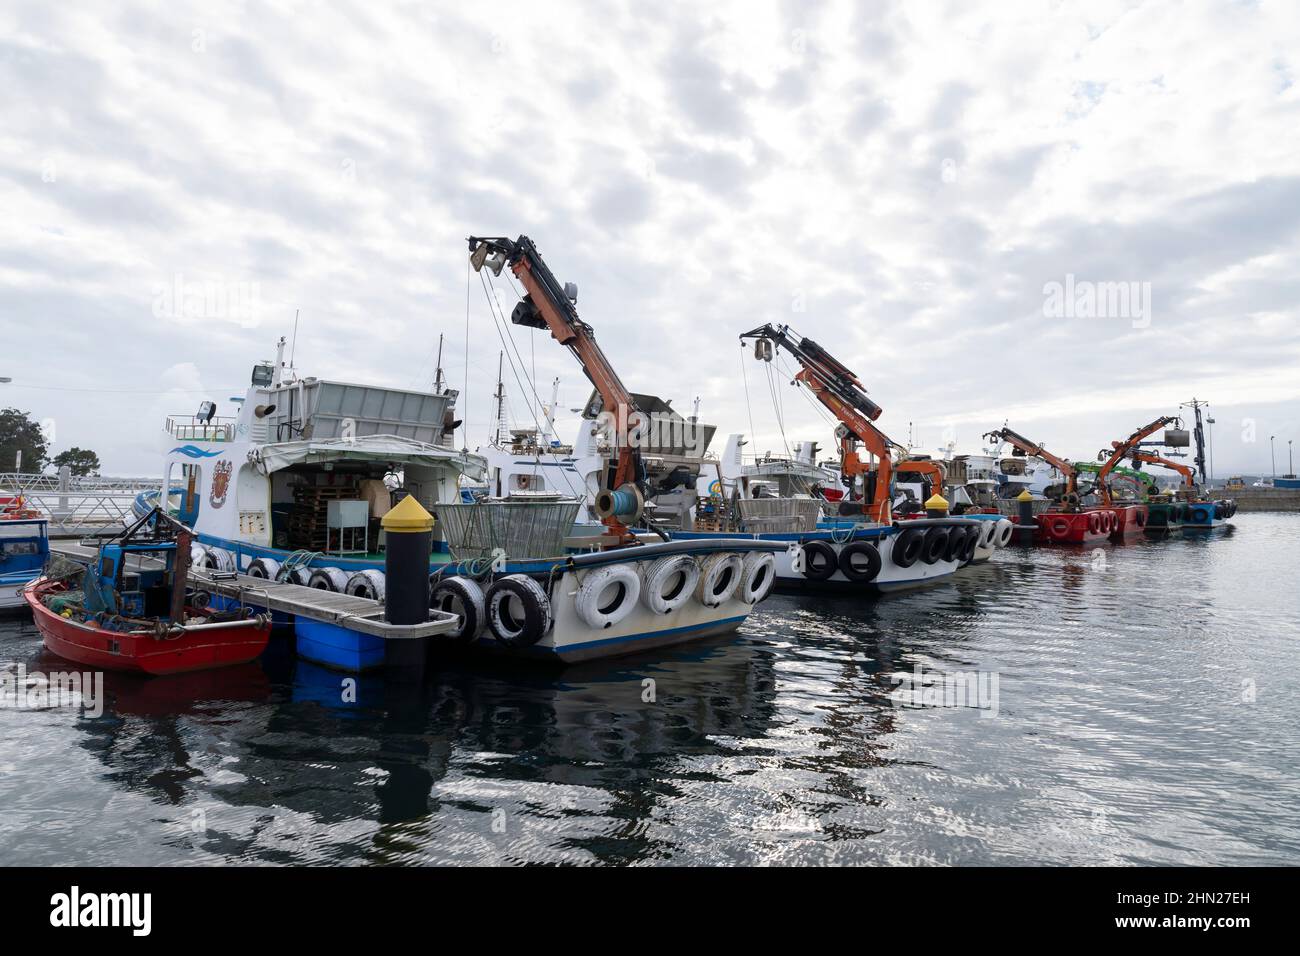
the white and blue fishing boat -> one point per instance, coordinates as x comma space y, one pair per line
294, 483
24, 549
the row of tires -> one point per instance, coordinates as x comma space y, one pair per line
368, 583
1059, 527
1201, 512
860, 561
516, 609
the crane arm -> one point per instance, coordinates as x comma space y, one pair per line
550, 305
843, 394
1016, 440
1150, 458
1124, 449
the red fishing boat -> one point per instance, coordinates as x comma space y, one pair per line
132, 610
154, 647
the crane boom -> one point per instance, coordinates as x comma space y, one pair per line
836, 387
1124, 449
549, 305
1151, 458
1016, 440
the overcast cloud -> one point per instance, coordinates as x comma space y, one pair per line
899, 182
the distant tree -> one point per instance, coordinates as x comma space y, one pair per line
82, 461
20, 432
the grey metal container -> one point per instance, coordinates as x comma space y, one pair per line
521, 529
780, 515
323, 411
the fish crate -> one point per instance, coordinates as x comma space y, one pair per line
779, 515
521, 529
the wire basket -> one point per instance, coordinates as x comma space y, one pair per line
522, 529
780, 515
1011, 507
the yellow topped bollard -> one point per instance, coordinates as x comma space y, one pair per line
1025, 523
936, 506
408, 534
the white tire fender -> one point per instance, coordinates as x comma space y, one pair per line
607, 595
719, 578
669, 583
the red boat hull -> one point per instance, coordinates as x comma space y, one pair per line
1132, 521
143, 653
1082, 527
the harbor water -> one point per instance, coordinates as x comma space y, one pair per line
1133, 703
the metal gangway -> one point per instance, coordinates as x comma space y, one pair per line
76, 506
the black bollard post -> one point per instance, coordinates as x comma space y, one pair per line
1026, 526
408, 530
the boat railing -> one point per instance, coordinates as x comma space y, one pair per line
190, 428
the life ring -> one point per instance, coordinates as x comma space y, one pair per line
819, 560
1005, 531
1058, 527
608, 595
860, 562
757, 576
936, 543
367, 584
1201, 514
266, 568
518, 610
462, 597
907, 547
719, 578
328, 579
669, 583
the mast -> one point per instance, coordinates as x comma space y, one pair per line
1199, 433
499, 427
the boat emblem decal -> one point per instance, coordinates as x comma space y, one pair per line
193, 451
220, 483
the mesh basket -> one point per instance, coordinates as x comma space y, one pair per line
522, 529
1011, 507
780, 515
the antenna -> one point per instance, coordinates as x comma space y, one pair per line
294, 346
438, 386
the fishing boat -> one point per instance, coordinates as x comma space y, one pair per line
24, 549
132, 609
879, 540
601, 595
1063, 518
293, 485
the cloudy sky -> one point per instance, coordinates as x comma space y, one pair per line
903, 183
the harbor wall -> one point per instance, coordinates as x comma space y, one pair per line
1262, 499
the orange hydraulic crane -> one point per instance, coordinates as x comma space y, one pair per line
839, 390
1020, 442
1150, 458
550, 305
1125, 449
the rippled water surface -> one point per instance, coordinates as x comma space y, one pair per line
1147, 711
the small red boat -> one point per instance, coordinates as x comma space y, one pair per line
204, 640
1077, 527
1132, 520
